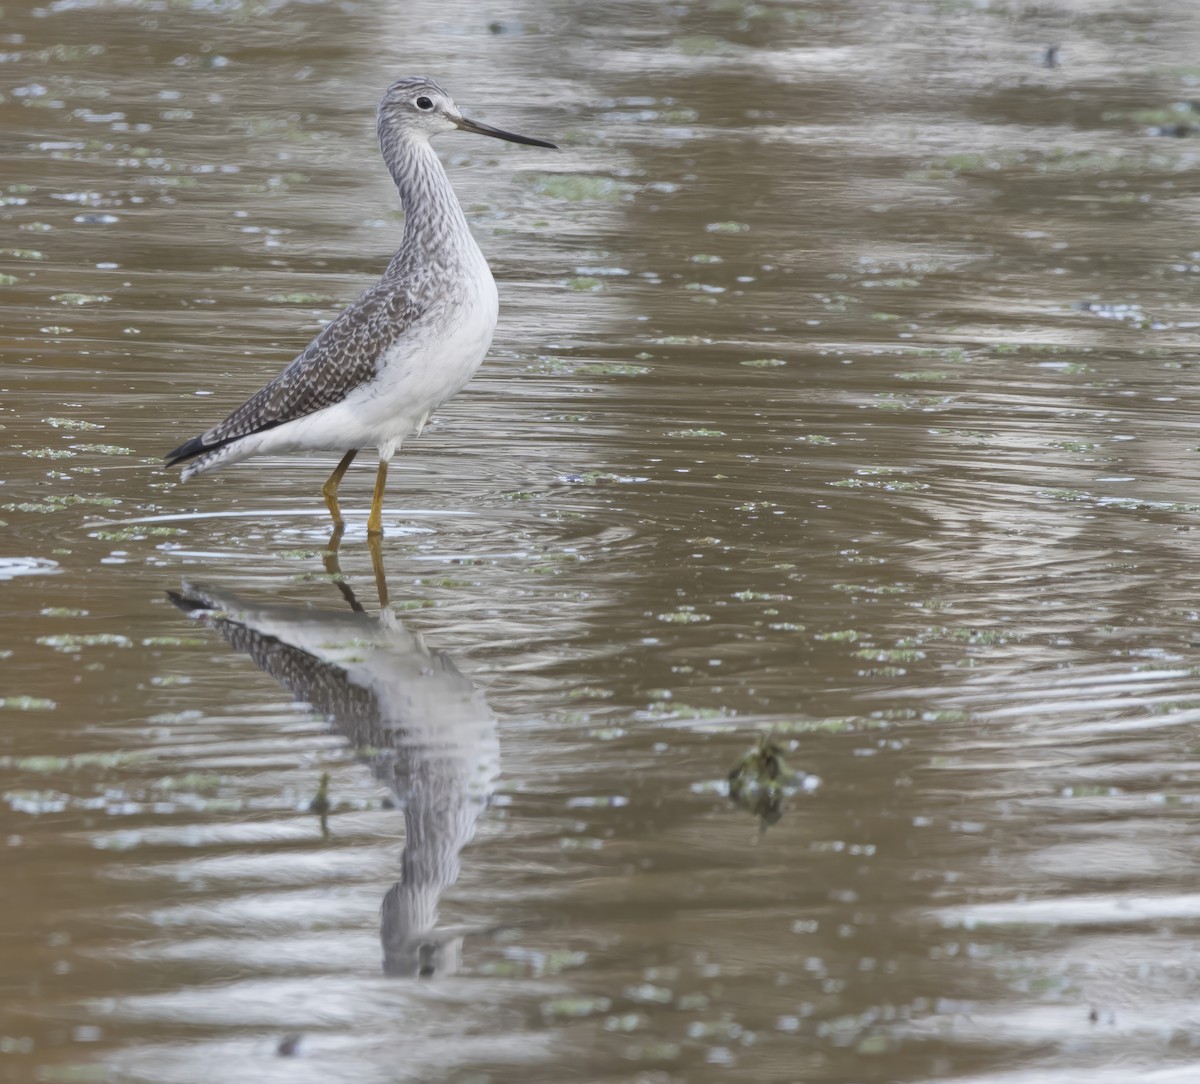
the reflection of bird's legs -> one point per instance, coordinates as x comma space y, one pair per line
334, 569
375, 519
330, 489
373, 544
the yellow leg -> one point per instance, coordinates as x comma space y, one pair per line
375, 519
330, 488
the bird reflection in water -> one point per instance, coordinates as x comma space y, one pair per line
423, 728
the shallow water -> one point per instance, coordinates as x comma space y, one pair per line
843, 393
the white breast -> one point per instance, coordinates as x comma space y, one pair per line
428, 367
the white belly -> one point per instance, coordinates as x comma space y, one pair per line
430, 363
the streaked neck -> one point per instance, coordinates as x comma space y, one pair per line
434, 223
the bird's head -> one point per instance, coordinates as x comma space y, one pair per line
418, 107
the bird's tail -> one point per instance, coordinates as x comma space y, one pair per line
188, 450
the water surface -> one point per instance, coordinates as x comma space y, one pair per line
843, 393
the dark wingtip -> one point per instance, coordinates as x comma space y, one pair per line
188, 450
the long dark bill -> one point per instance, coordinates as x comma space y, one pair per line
487, 130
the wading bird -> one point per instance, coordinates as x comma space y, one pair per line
374, 374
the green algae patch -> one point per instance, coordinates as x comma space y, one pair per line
685, 615
50, 764
70, 423
48, 453
55, 503
579, 188
70, 642
300, 298
576, 1006
606, 369
27, 703
80, 299
128, 534
103, 449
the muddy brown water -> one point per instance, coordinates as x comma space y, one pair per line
845, 392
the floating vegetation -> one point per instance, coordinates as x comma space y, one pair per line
70, 423
763, 363
727, 227
27, 703
70, 642
847, 636
62, 611
130, 534
578, 187
891, 485
49, 763
80, 299
889, 401
606, 369
103, 449
48, 453
695, 433
576, 1006
669, 709
55, 502
590, 692
684, 615
761, 781
647, 993
585, 284
832, 725
300, 298
892, 654
596, 477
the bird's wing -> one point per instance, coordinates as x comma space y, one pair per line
342, 357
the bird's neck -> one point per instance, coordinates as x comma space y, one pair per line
434, 223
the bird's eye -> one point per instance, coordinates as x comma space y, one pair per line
424, 103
